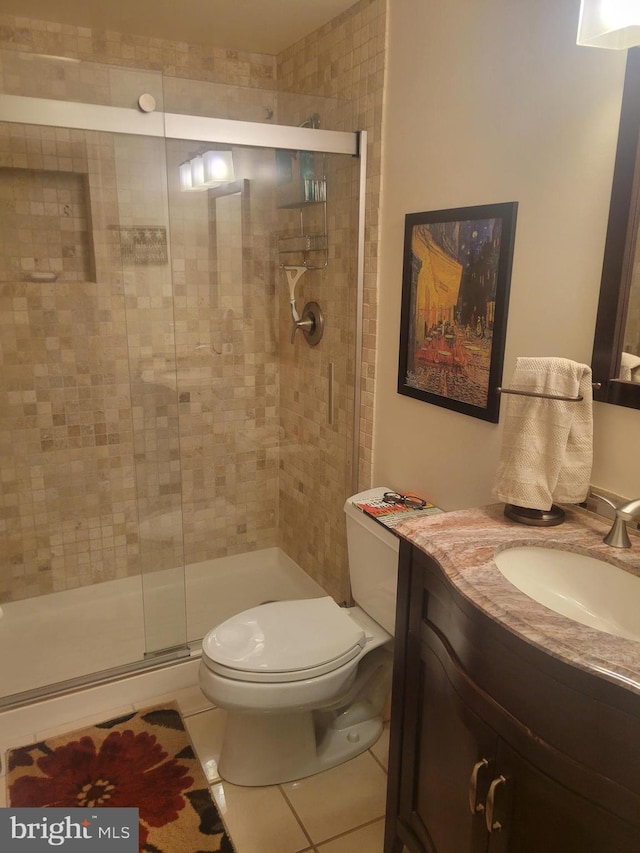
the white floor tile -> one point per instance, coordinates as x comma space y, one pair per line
84, 722
380, 749
339, 799
206, 730
259, 819
367, 839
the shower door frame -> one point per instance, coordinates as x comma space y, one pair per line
94, 117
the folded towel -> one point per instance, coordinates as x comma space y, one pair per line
547, 445
629, 365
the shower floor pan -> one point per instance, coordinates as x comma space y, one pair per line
90, 630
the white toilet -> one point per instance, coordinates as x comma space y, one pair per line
304, 682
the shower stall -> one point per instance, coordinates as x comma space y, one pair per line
171, 451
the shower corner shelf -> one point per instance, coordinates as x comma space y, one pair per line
311, 246
306, 192
302, 243
298, 205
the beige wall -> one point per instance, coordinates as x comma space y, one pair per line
492, 102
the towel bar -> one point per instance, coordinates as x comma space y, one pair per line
543, 396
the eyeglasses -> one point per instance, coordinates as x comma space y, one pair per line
412, 501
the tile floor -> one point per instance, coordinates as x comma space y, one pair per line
338, 811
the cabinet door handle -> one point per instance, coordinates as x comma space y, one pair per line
493, 826
473, 786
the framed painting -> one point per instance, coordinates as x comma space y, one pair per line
455, 298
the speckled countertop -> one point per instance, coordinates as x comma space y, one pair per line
464, 543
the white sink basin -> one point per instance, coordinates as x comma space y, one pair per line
585, 589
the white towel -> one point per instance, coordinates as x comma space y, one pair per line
629, 365
547, 445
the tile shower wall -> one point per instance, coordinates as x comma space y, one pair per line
71, 513
343, 64
127, 452
315, 458
68, 498
139, 409
227, 360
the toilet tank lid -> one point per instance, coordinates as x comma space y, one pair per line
283, 636
353, 512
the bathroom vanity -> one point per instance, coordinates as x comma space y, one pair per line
513, 728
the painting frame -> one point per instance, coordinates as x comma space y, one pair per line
456, 281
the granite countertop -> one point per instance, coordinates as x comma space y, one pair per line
464, 543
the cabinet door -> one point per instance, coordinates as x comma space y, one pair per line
455, 762
538, 815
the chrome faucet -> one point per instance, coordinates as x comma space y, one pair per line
618, 537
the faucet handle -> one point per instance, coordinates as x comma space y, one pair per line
311, 323
606, 500
307, 325
630, 510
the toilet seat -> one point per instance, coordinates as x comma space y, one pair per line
284, 641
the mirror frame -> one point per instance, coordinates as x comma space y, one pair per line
619, 252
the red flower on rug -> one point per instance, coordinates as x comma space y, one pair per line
129, 770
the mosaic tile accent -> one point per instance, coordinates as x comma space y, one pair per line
144, 245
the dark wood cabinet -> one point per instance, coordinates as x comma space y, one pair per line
495, 746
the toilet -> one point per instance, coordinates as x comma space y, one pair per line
304, 682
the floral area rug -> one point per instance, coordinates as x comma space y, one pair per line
142, 760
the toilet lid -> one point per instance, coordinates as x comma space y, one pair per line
284, 641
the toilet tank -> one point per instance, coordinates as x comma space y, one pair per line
373, 561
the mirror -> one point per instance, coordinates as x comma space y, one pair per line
226, 206
616, 348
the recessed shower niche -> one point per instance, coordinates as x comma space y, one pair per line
45, 225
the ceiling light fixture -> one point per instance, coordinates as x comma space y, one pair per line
613, 24
206, 170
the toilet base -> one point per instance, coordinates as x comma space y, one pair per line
264, 746
268, 749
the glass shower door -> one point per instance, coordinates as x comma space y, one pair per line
145, 255
91, 552
266, 420
88, 407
